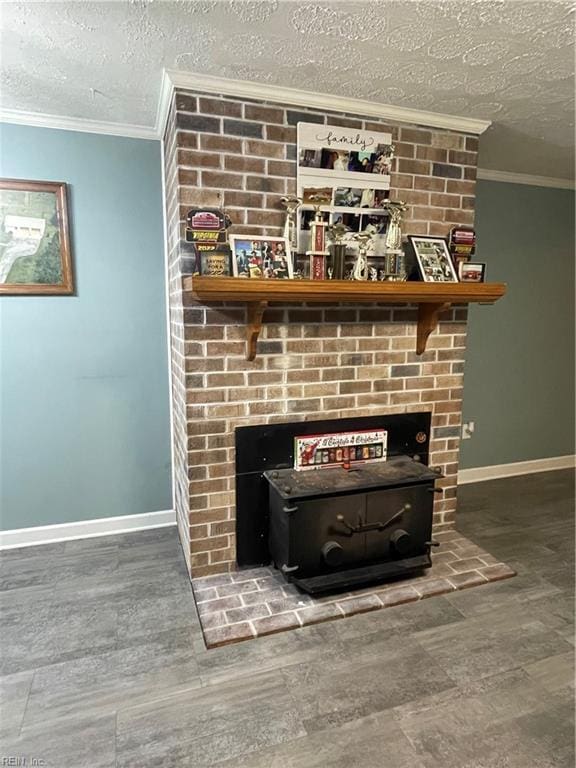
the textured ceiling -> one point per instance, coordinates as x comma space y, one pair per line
508, 61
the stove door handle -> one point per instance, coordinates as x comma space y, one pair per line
379, 526
290, 510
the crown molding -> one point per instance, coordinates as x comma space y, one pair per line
164, 102
60, 122
298, 98
524, 178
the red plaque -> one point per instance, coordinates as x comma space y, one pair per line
317, 266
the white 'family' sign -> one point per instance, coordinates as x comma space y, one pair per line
350, 168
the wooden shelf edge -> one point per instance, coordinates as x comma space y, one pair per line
340, 291
432, 298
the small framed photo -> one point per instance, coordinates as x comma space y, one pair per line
472, 272
35, 252
433, 259
261, 257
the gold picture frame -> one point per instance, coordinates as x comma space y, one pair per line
35, 253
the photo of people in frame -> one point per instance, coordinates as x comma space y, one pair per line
261, 257
310, 158
383, 159
375, 223
334, 160
361, 162
380, 195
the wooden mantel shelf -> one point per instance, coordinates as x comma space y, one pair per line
432, 298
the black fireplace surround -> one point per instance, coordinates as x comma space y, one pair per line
330, 529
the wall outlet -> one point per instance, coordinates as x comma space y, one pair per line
467, 430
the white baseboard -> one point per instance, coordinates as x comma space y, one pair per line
108, 526
105, 526
479, 474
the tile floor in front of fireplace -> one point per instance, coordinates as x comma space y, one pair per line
250, 603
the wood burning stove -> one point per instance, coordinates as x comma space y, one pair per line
320, 552
340, 528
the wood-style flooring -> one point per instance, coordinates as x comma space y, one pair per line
103, 662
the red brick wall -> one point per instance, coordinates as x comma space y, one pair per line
312, 362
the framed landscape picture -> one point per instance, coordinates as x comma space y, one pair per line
34, 239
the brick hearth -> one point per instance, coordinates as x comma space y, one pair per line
313, 362
247, 604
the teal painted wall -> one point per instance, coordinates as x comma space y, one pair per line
84, 414
519, 375
84, 404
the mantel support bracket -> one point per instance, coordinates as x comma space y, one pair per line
255, 311
427, 322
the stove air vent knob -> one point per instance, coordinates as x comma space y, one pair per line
401, 541
332, 553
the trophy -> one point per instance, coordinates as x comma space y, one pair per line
317, 252
394, 234
318, 227
394, 267
206, 230
291, 204
360, 269
336, 233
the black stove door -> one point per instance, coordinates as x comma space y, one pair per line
400, 520
320, 535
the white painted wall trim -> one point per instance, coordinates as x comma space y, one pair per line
60, 122
298, 98
172, 79
164, 102
167, 320
105, 526
524, 178
479, 474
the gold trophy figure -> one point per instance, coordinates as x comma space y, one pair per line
394, 234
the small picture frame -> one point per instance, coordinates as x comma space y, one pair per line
215, 262
472, 271
433, 259
257, 257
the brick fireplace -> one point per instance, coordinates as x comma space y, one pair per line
313, 362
